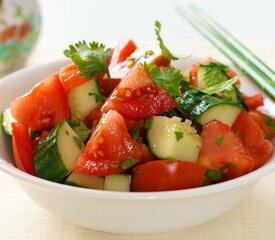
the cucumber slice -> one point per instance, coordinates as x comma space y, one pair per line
85, 181
118, 182
56, 154
169, 138
84, 98
204, 108
6, 120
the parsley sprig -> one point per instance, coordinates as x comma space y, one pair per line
168, 78
166, 53
91, 58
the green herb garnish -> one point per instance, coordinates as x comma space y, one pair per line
135, 133
179, 135
78, 142
270, 122
214, 175
219, 139
98, 97
166, 53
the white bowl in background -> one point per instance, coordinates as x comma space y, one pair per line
117, 212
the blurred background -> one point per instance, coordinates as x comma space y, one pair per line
65, 22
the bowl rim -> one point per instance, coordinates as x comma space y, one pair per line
11, 170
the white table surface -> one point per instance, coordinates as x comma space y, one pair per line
252, 219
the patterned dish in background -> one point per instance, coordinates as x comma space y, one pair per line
19, 29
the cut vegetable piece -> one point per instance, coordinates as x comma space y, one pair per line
85, 181
223, 151
254, 101
204, 108
165, 175
38, 109
253, 139
169, 138
56, 154
109, 146
118, 182
6, 121
138, 97
23, 148
84, 98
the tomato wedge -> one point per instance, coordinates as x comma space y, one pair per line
110, 145
123, 50
253, 138
70, 77
222, 149
252, 102
165, 175
44, 106
23, 148
265, 122
137, 96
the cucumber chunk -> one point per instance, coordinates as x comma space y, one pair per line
6, 120
56, 154
169, 138
85, 181
118, 182
204, 108
83, 99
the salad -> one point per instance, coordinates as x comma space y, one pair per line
125, 119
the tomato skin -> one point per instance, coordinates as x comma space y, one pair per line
110, 145
23, 148
252, 102
44, 106
123, 50
138, 97
70, 77
194, 75
260, 119
230, 150
253, 138
166, 175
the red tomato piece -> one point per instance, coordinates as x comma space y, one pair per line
110, 145
23, 148
70, 77
253, 138
262, 119
252, 102
108, 87
123, 50
166, 175
138, 97
44, 106
93, 119
194, 75
221, 148
146, 153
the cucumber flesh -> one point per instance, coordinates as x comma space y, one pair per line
85, 181
6, 121
169, 138
118, 182
56, 154
82, 99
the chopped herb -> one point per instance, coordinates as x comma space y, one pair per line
166, 53
214, 175
35, 134
135, 133
78, 142
139, 172
129, 163
219, 139
131, 62
179, 135
229, 164
239, 134
169, 78
148, 123
148, 53
270, 122
98, 97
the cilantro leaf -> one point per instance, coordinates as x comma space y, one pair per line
179, 135
98, 97
80, 129
166, 53
214, 175
135, 133
169, 78
220, 87
91, 59
212, 74
219, 139
270, 122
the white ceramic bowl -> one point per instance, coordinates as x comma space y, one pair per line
114, 212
